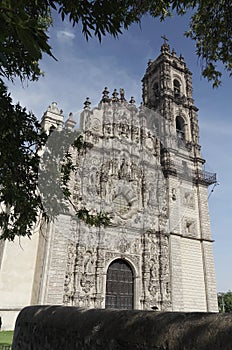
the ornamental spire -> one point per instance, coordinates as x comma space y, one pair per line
165, 48
105, 97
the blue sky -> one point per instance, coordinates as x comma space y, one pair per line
85, 68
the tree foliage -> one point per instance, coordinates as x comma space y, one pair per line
21, 137
225, 301
24, 39
211, 28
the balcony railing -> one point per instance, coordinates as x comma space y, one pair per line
199, 176
206, 177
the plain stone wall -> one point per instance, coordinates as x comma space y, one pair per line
71, 328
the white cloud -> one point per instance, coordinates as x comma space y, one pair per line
65, 36
72, 78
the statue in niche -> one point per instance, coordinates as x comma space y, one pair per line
136, 172
154, 268
124, 130
115, 167
124, 171
153, 285
89, 263
135, 134
188, 199
104, 178
151, 196
149, 141
123, 245
108, 128
88, 275
136, 246
92, 187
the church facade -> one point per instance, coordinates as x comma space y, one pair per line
143, 168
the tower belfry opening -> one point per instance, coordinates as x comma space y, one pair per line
176, 85
180, 125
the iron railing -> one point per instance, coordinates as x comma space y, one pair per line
198, 176
206, 177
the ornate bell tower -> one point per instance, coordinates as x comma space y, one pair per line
167, 90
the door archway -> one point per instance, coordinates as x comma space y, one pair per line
119, 286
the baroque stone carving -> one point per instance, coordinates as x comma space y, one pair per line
69, 276
121, 174
156, 270
88, 274
188, 198
189, 226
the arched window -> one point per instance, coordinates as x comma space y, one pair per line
156, 89
119, 286
180, 126
176, 85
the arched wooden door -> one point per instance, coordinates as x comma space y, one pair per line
119, 286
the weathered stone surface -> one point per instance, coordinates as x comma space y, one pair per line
61, 328
143, 167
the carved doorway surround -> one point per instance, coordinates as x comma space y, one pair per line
119, 286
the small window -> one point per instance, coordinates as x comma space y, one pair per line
176, 85
180, 126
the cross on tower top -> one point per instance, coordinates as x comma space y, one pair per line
165, 38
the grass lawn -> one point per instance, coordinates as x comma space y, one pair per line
6, 337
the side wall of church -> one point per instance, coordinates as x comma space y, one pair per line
16, 277
192, 266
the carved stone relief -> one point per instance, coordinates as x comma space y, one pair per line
120, 174
188, 198
88, 274
156, 271
189, 226
69, 276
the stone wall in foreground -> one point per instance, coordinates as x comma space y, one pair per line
71, 328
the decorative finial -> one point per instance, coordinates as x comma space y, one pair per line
122, 95
149, 63
105, 97
70, 122
54, 109
87, 103
70, 117
181, 57
132, 100
173, 52
115, 96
